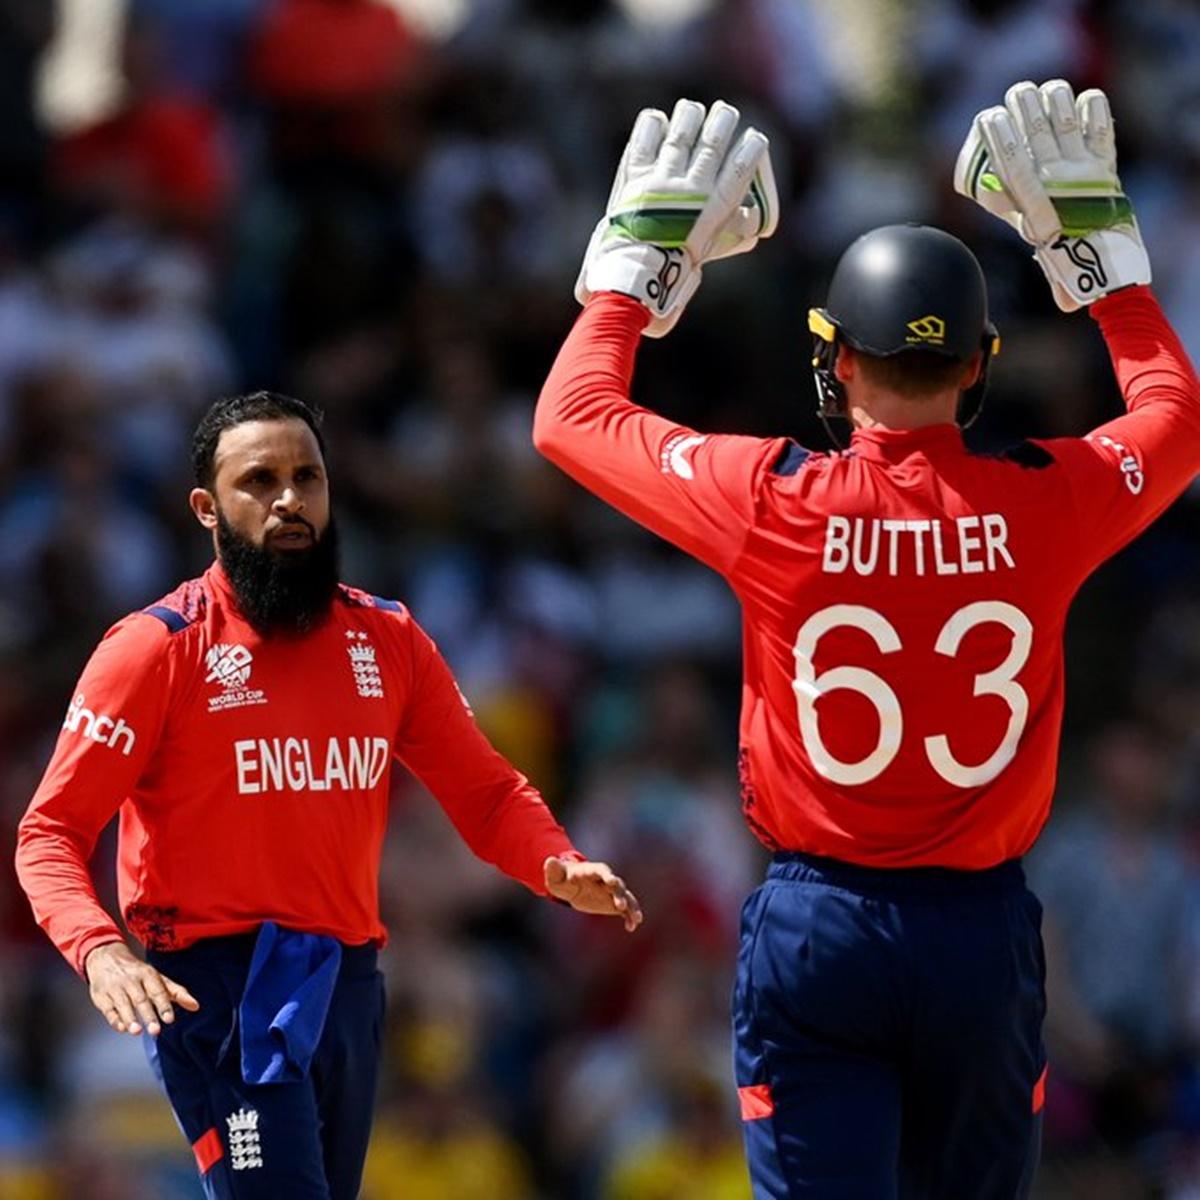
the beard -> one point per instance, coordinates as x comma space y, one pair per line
286, 592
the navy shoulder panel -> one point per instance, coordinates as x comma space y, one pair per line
176, 622
183, 607
794, 456
357, 598
1024, 454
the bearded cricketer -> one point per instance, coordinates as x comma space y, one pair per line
244, 728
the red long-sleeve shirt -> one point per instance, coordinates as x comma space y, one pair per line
903, 602
252, 774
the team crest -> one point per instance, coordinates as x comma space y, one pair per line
367, 676
245, 1146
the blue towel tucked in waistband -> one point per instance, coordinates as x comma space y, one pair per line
285, 1002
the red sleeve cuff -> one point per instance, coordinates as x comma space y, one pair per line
101, 937
633, 311
1116, 302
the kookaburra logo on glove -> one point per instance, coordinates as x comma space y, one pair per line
1085, 256
660, 288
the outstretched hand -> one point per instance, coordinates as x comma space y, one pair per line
592, 887
130, 993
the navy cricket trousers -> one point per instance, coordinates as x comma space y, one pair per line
888, 1032
304, 1140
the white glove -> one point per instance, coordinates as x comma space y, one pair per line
1046, 163
681, 198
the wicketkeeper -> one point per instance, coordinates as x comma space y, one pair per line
903, 607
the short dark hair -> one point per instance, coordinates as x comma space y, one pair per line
912, 373
237, 410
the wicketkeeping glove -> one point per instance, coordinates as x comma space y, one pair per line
1046, 163
681, 197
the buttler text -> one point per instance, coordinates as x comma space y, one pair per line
874, 545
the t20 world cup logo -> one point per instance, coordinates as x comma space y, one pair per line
228, 665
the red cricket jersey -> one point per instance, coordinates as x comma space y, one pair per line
252, 774
903, 601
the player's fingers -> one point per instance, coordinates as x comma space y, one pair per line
633, 912
115, 1000
1096, 118
741, 165
682, 132
647, 137
716, 136
108, 1009
1024, 103
765, 195
1058, 102
144, 1009
1014, 167
181, 996
159, 996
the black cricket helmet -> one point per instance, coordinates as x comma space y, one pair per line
897, 289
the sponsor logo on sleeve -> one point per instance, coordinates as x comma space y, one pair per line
674, 460
229, 667
99, 727
1135, 477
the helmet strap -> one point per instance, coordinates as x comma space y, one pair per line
970, 404
831, 396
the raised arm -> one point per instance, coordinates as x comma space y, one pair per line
1127, 471
696, 490
1046, 163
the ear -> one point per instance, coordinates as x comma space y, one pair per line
972, 370
844, 366
204, 505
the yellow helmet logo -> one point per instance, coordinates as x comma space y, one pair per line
928, 329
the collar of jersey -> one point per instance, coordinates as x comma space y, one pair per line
219, 582
892, 445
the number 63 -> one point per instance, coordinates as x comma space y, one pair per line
810, 687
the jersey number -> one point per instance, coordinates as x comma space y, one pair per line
810, 687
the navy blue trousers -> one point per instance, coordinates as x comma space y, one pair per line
305, 1140
888, 1032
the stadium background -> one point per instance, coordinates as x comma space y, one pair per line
382, 210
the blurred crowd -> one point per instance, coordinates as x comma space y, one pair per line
320, 197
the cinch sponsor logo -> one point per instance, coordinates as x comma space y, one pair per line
293, 765
674, 461
99, 728
1135, 480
